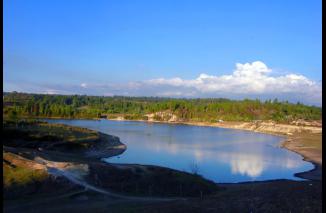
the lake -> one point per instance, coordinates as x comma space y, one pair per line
221, 155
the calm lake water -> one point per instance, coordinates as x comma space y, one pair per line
221, 155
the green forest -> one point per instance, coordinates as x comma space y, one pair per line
209, 109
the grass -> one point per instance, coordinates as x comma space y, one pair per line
67, 133
18, 175
37, 133
54, 141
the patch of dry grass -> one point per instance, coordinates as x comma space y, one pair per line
14, 174
39, 130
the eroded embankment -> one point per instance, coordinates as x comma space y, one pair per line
303, 140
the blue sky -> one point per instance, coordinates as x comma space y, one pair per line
118, 47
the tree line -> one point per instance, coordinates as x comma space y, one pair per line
204, 109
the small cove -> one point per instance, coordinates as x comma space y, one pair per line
221, 155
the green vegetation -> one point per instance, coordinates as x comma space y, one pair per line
33, 130
208, 110
41, 135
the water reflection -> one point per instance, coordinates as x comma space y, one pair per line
247, 165
222, 155
199, 155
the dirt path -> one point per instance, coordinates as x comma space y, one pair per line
79, 181
36, 202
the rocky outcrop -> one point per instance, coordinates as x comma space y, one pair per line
272, 127
162, 116
106, 146
301, 122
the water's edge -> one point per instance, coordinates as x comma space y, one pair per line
305, 175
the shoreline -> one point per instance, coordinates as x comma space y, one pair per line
88, 185
313, 174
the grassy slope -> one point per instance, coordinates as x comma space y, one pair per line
62, 132
17, 172
35, 135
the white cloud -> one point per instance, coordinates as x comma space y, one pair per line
84, 85
162, 81
248, 80
176, 94
51, 92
